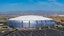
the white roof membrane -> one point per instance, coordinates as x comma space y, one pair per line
30, 17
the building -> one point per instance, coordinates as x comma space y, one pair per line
30, 21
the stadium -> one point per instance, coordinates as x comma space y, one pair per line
30, 22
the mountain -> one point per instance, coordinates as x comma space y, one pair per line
33, 12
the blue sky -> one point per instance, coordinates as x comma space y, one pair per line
28, 5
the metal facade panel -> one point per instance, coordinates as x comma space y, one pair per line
30, 24
33, 24
26, 24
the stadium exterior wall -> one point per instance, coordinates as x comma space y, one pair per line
30, 24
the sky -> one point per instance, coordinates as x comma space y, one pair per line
31, 5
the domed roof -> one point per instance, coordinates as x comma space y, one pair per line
30, 17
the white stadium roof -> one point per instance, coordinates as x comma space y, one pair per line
30, 17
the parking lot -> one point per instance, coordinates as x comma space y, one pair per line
47, 32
